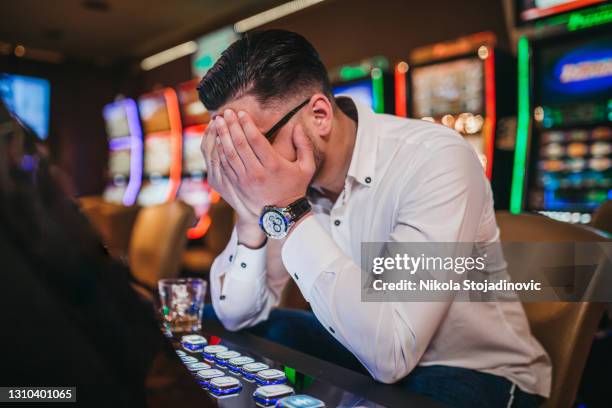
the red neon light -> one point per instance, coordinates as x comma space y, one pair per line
490, 119
201, 227
205, 221
533, 13
401, 107
197, 129
176, 142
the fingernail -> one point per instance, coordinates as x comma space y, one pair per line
228, 113
241, 114
220, 120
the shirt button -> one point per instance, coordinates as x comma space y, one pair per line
243, 265
231, 258
296, 277
331, 330
368, 180
222, 297
337, 222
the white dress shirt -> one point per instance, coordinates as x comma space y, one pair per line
408, 181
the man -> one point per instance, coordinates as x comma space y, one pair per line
278, 135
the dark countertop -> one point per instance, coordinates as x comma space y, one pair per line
171, 384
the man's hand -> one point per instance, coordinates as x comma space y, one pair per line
258, 172
248, 229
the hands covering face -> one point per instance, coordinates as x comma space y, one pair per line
247, 171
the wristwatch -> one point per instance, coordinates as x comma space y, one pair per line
276, 222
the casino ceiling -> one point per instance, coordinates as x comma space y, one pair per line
105, 31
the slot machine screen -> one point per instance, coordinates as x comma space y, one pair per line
194, 112
360, 91
154, 113
28, 98
573, 165
451, 87
119, 163
196, 193
157, 156
193, 160
116, 121
574, 73
529, 10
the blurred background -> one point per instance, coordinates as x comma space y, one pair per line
90, 51
109, 89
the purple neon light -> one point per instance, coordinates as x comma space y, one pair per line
133, 141
133, 187
120, 143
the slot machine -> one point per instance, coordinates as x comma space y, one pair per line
194, 189
125, 152
163, 146
467, 84
29, 99
368, 82
563, 161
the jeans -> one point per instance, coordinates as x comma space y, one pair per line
454, 386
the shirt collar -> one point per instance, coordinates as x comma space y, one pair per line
363, 161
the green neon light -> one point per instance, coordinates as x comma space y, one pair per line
579, 19
591, 18
349, 72
378, 91
290, 373
522, 131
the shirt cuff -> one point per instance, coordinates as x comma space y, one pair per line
308, 251
247, 264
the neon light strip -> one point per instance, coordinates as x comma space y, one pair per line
120, 143
134, 142
401, 91
176, 142
204, 223
523, 128
491, 118
378, 91
133, 187
590, 18
534, 13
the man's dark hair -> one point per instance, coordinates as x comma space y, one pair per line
270, 65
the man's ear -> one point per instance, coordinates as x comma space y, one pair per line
322, 114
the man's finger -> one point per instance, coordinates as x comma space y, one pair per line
260, 145
208, 142
227, 169
231, 154
242, 146
304, 148
214, 169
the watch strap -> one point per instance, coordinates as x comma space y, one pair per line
297, 209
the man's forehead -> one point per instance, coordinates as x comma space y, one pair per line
262, 116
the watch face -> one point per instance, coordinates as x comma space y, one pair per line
274, 224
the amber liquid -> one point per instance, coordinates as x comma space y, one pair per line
182, 324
